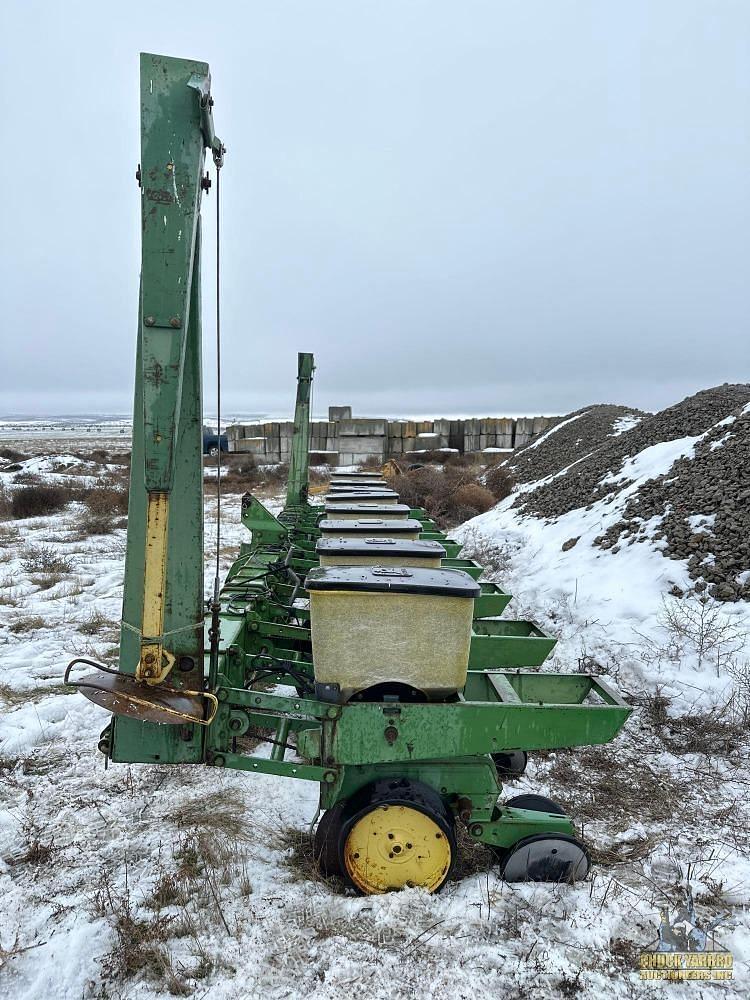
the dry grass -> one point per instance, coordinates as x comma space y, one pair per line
26, 624
620, 787
717, 732
9, 534
46, 559
96, 623
140, 948
216, 813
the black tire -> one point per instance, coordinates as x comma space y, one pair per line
539, 803
397, 792
213, 451
326, 841
547, 857
510, 763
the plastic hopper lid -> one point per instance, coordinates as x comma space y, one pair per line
355, 495
393, 579
375, 524
377, 547
381, 510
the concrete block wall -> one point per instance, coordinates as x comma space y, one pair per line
343, 440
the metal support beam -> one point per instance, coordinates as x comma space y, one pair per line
299, 464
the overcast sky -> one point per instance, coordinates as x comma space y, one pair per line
460, 207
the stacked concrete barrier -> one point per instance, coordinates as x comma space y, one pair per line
344, 440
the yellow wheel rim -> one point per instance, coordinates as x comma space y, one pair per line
394, 846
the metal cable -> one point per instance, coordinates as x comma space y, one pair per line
218, 384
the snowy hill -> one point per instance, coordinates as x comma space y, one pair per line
145, 881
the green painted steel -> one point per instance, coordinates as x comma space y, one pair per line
167, 413
299, 462
492, 601
508, 644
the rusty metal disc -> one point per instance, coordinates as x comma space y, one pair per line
124, 695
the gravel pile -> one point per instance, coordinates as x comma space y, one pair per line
569, 439
706, 506
581, 485
703, 502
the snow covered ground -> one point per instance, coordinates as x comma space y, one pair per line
141, 881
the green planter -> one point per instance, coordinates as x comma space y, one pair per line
508, 644
491, 602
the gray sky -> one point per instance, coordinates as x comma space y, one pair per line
458, 206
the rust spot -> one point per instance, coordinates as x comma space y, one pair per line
159, 195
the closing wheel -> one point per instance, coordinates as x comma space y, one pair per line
539, 803
547, 857
510, 763
326, 841
396, 834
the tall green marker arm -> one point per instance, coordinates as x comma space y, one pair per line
162, 631
299, 464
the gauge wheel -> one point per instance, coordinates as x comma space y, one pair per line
538, 803
326, 841
510, 763
547, 857
397, 833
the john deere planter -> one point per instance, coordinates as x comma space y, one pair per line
396, 685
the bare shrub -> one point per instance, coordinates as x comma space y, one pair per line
474, 496
276, 475
38, 501
107, 500
46, 559
487, 552
695, 626
499, 481
11, 455
6, 504
449, 494
739, 703
98, 524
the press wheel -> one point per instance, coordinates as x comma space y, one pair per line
397, 834
510, 763
547, 857
326, 841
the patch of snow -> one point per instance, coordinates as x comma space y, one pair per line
701, 522
654, 461
626, 423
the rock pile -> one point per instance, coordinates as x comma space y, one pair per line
582, 484
569, 439
702, 503
705, 503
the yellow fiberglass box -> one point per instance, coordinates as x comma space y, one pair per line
385, 629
